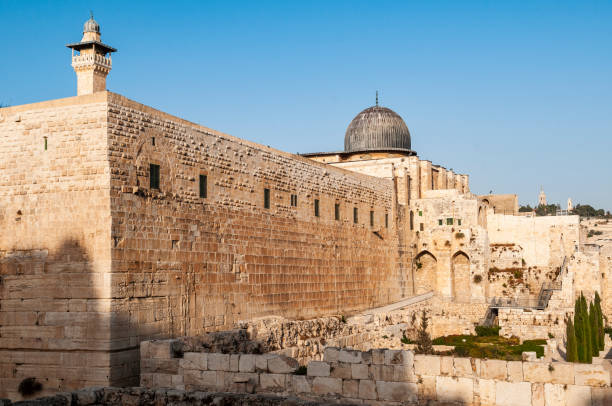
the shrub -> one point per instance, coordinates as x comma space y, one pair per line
423, 342
459, 235
486, 331
406, 340
477, 278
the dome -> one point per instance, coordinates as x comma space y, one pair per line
91, 25
377, 129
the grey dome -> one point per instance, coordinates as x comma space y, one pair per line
91, 26
377, 129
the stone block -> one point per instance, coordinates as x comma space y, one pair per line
300, 384
234, 362
341, 370
578, 395
446, 365
554, 394
398, 357
331, 354
350, 356
529, 356
382, 372
207, 379
397, 391
281, 364
515, 371
494, 369
194, 360
512, 393
327, 386
367, 390
601, 396
454, 389
378, 356
562, 372
404, 373
261, 362
486, 391
272, 382
537, 394
218, 362
350, 388
427, 387
366, 357
427, 365
161, 349
318, 368
591, 375
462, 367
360, 371
246, 363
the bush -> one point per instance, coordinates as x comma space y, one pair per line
424, 345
477, 278
485, 331
29, 386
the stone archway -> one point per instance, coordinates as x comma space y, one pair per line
460, 277
425, 269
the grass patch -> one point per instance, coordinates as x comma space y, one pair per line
491, 346
484, 331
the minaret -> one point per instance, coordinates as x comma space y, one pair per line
570, 206
92, 59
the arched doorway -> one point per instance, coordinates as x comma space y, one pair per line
424, 272
460, 275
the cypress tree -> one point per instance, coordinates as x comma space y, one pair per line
593, 324
579, 331
600, 322
571, 348
587, 330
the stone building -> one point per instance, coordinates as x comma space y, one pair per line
123, 223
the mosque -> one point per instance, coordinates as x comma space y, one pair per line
124, 223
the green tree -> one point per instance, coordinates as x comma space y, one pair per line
525, 209
593, 324
600, 322
572, 349
587, 330
579, 331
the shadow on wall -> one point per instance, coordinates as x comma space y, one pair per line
53, 321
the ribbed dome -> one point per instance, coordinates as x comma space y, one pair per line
377, 128
91, 26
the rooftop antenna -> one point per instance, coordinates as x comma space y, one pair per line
377, 98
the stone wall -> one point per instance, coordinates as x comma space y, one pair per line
386, 376
55, 300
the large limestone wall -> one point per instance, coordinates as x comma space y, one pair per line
544, 240
183, 264
54, 245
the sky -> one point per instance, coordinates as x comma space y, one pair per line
516, 94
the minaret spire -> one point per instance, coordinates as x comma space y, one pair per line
377, 98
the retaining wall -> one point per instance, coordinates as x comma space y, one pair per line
388, 376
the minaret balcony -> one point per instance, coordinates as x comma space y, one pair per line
81, 61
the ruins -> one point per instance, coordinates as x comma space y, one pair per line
128, 233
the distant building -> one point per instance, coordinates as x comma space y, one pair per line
542, 198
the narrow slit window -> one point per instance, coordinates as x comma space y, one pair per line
386, 220
46, 143
203, 186
153, 141
294, 200
355, 215
458, 222
371, 218
154, 176
422, 227
316, 207
440, 222
337, 211
266, 198
412, 220
449, 221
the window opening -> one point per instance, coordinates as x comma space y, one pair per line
203, 186
154, 176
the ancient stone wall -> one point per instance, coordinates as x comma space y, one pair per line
54, 245
184, 264
544, 240
385, 376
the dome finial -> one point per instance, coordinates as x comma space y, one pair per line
91, 14
377, 98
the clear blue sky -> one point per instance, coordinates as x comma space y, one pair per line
515, 94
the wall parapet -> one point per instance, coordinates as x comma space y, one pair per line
381, 375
